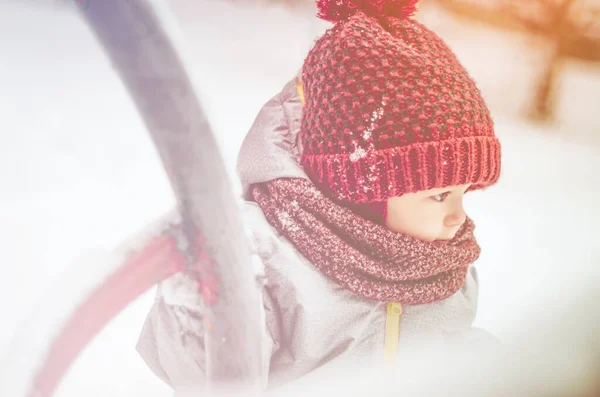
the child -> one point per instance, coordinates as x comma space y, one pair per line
354, 201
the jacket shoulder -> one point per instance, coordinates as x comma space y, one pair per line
262, 237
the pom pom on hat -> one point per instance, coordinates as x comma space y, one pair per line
338, 10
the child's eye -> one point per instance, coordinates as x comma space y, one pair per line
440, 197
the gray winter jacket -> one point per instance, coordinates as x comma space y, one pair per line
310, 320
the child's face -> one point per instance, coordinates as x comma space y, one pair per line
430, 215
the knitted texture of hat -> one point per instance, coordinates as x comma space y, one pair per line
390, 110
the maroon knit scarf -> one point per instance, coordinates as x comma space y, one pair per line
364, 257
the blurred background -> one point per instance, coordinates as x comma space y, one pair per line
79, 174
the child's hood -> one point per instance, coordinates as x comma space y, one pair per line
270, 150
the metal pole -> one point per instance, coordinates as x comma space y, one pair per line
139, 38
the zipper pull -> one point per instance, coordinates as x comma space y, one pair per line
392, 332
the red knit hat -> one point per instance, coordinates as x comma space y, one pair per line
389, 109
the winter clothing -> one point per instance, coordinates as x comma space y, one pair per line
365, 258
389, 108
312, 322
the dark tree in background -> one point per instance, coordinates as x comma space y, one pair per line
571, 28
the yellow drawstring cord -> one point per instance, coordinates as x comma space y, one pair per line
300, 90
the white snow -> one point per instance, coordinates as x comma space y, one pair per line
79, 174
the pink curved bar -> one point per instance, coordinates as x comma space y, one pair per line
157, 261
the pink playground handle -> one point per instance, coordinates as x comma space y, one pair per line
157, 261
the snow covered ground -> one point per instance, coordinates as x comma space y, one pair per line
79, 173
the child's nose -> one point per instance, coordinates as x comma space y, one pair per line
456, 218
